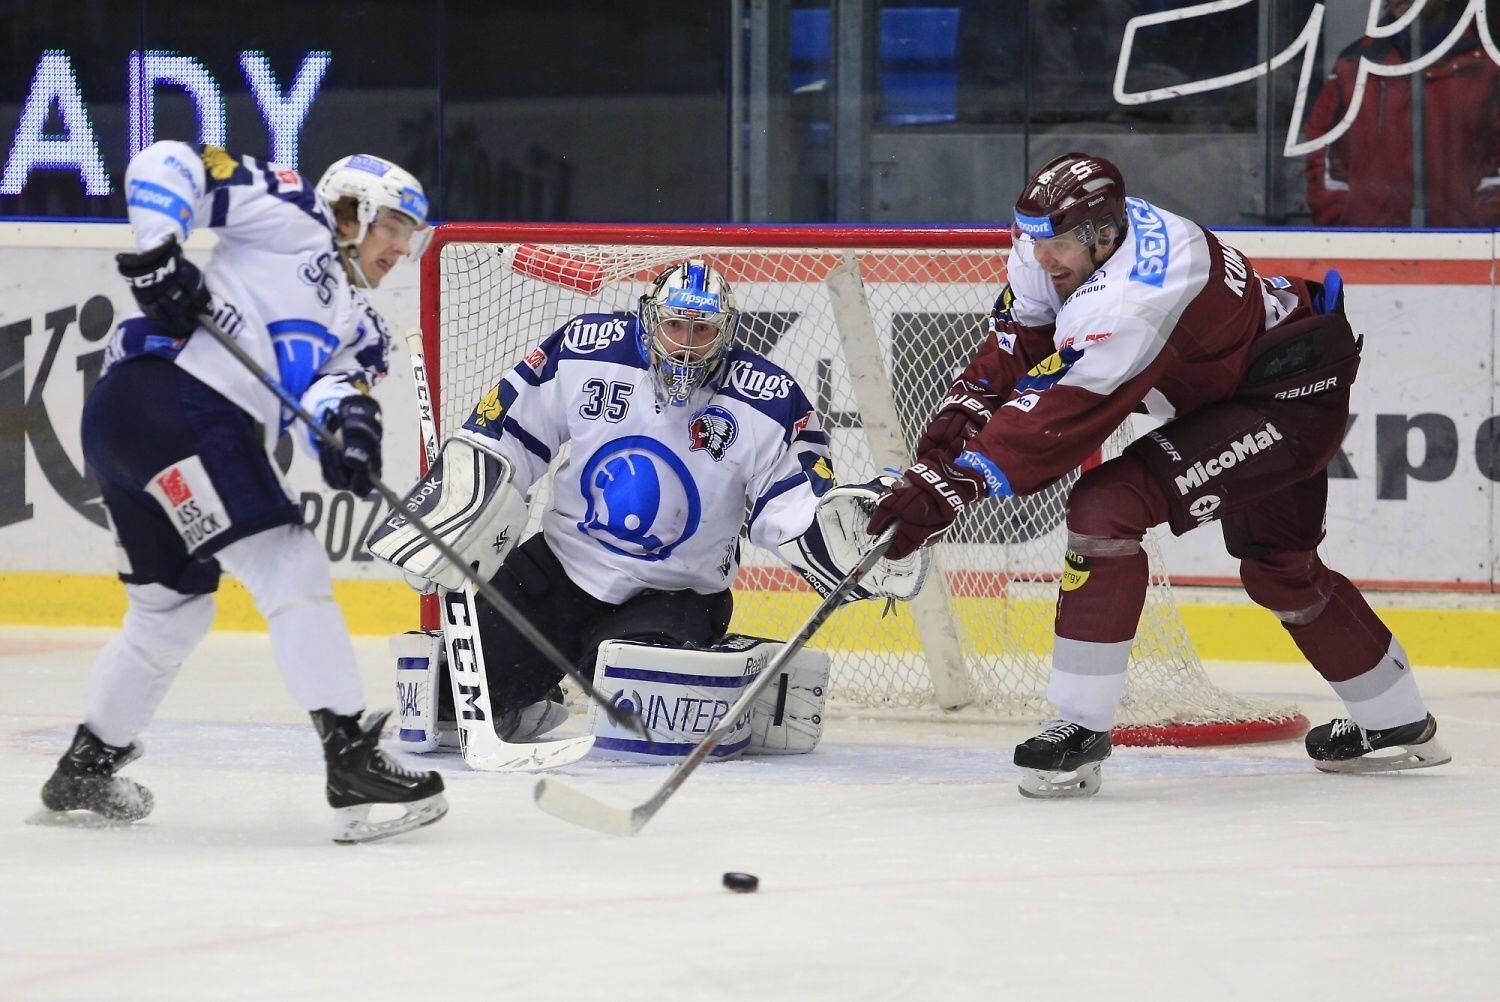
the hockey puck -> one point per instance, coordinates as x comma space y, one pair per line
741, 883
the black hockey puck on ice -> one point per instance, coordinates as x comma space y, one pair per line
741, 883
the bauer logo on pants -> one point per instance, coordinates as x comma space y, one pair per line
187, 495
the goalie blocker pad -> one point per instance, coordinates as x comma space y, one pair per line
468, 500
682, 694
836, 541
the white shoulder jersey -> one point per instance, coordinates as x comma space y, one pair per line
279, 287
655, 496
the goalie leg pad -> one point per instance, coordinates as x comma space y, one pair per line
468, 499
836, 541
787, 719
419, 682
681, 694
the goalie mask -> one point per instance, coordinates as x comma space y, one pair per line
378, 188
688, 321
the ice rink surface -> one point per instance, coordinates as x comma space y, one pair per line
897, 862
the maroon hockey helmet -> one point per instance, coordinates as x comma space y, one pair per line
1070, 191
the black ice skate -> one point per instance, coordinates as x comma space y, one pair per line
1344, 746
84, 789
1062, 761
360, 776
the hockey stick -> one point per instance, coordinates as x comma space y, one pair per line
572, 805
629, 719
479, 743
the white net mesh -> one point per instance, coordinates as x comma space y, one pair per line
874, 365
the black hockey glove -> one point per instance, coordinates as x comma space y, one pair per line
349, 467
168, 287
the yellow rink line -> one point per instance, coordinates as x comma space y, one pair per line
1220, 631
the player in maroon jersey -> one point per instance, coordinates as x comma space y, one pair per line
1115, 305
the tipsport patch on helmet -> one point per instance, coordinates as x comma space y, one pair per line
414, 204
713, 431
640, 499
1034, 226
369, 164
693, 299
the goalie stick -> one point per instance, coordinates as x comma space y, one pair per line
479, 743
574, 806
629, 719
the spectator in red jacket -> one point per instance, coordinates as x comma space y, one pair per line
1365, 177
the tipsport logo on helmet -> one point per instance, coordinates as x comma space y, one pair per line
369, 164
692, 299
1034, 226
414, 204
641, 501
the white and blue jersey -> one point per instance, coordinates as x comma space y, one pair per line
653, 497
278, 284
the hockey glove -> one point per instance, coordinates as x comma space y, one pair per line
926, 500
964, 411
167, 286
356, 424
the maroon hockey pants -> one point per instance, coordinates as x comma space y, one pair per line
1259, 467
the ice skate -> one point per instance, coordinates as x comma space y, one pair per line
1344, 746
1062, 761
85, 791
360, 776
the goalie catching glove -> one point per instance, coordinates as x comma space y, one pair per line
468, 500
836, 542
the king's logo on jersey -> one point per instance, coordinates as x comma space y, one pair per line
713, 431
756, 384
641, 500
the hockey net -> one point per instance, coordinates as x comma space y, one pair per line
874, 324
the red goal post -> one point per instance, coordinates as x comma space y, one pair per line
873, 322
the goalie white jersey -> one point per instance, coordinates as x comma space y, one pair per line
655, 496
278, 285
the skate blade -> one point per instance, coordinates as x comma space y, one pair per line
1039, 784
352, 825
1395, 759
49, 818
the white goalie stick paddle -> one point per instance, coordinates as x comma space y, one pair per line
502, 605
572, 805
483, 749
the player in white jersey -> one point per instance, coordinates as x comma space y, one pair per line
180, 435
1114, 305
680, 439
